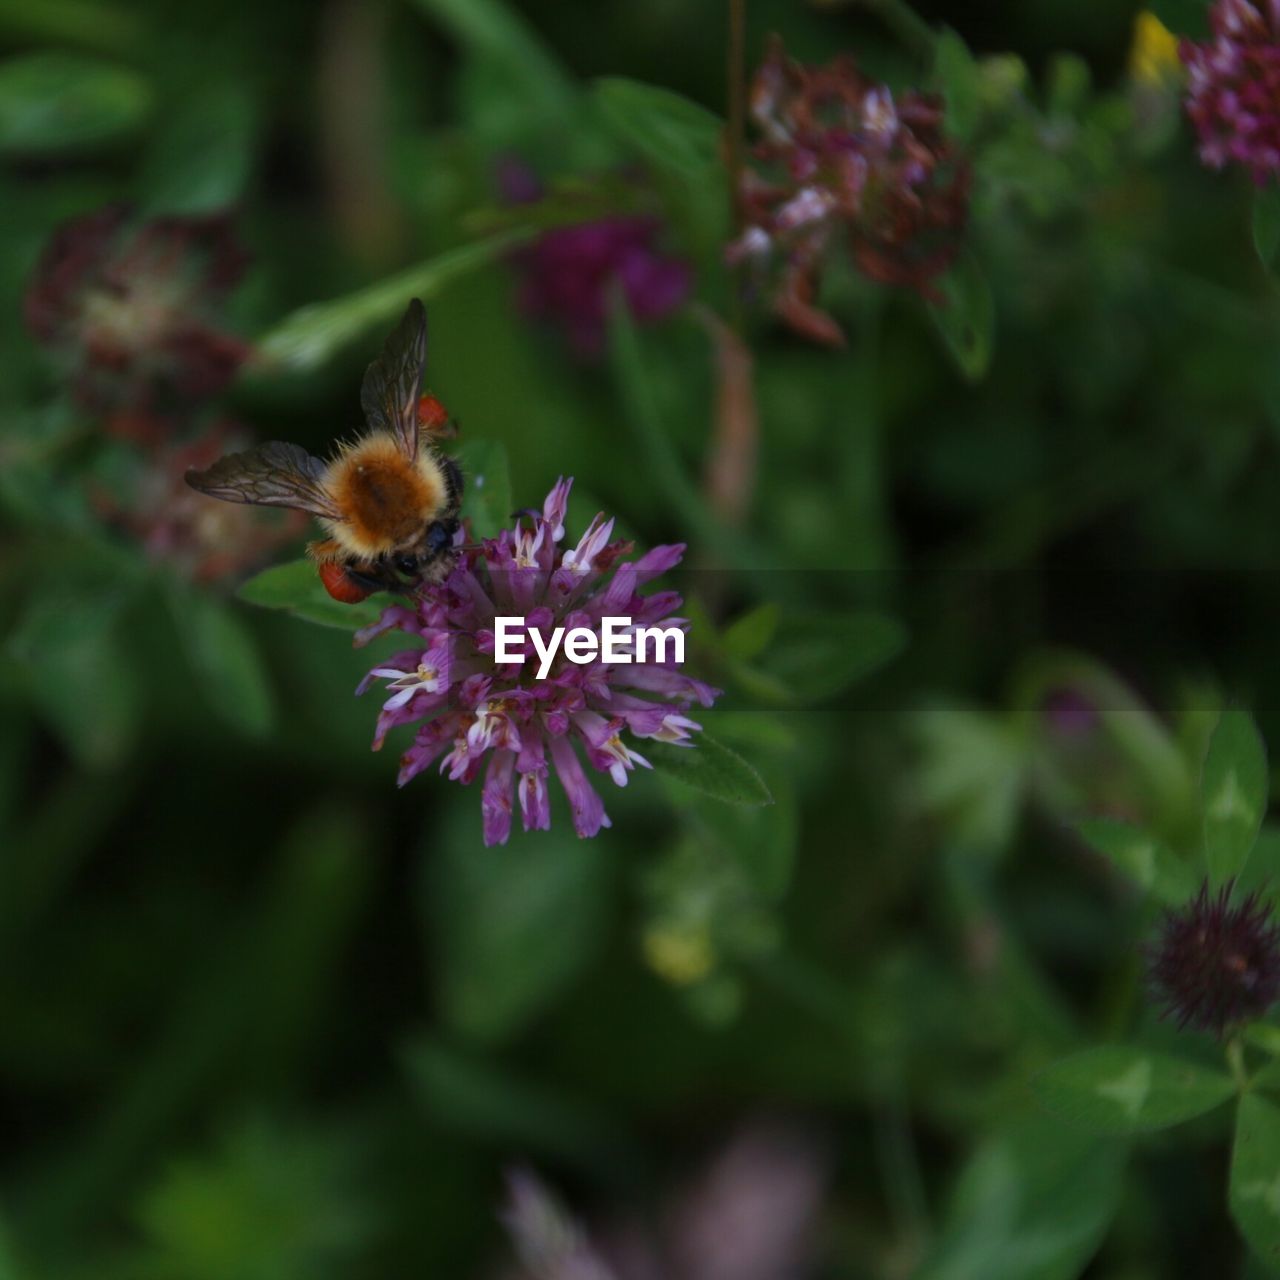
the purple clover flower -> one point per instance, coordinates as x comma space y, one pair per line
1217, 965
470, 708
1233, 94
566, 273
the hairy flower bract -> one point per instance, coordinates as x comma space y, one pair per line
473, 712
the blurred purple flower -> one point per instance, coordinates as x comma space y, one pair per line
1233, 94
203, 539
1069, 713
130, 306
549, 1242
750, 1216
469, 707
840, 155
1217, 965
567, 272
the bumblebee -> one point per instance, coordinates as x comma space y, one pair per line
389, 501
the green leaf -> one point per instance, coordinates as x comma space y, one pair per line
1182, 17
1118, 1089
670, 132
748, 635
814, 657
225, 661
201, 154
1266, 1077
972, 775
486, 498
90, 24
483, 1101
666, 468
495, 32
296, 588
958, 76
710, 768
306, 338
1261, 874
1266, 224
1233, 790
267, 1202
1265, 1036
762, 841
264, 982
56, 102
680, 143
1032, 1203
965, 318
79, 672
1148, 862
1254, 1195
1068, 83
511, 926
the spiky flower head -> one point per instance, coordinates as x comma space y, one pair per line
841, 156
130, 307
470, 708
1217, 963
1233, 92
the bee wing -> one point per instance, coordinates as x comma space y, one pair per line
272, 475
389, 394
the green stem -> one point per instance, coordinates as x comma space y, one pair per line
1235, 1061
863, 480
829, 1002
737, 127
900, 1168
102, 28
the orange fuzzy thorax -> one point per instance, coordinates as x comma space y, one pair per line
386, 500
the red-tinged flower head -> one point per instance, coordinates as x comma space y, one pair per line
840, 156
203, 539
1217, 964
1233, 89
474, 712
130, 308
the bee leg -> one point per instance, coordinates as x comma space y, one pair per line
326, 552
453, 480
374, 578
379, 575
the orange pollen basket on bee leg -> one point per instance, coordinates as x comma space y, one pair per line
433, 417
339, 584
